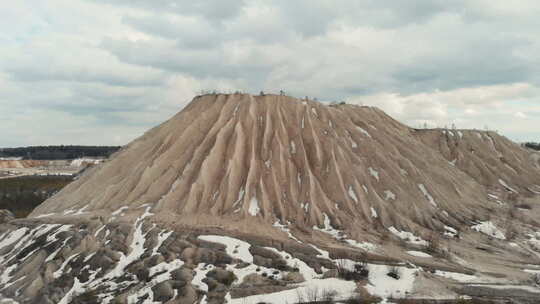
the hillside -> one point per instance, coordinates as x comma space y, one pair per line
248, 199
21, 195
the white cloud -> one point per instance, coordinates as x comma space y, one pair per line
500, 107
121, 66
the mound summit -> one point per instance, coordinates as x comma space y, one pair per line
235, 183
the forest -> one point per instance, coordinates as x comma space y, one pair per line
58, 152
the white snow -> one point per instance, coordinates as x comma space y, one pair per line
234, 247
254, 207
490, 229
136, 246
243, 272
367, 246
163, 271
80, 161
450, 231
493, 196
293, 147
354, 145
12, 237
505, 185
60, 271
365, 188
53, 255
75, 211
364, 131
285, 229
374, 213
374, 173
323, 254
5, 276
307, 272
77, 288
408, 236
427, 195
200, 273
119, 210
240, 197
162, 236
45, 215
389, 195
380, 284
344, 289
352, 195
456, 276
419, 254
327, 228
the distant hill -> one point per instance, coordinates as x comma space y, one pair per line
58, 152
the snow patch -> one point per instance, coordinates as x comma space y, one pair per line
408, 236
505, 185
374, 213
427, 195
374, 173
490, 229
236, 248
285, 229
384, 286
254, 207
367, 246
450, 231
419, 254
456, 276
363, 131
352, 195
328, 229
389, 195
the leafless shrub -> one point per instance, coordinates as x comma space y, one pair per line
312, 294
394, 272
299, 296
358, 272
328, 295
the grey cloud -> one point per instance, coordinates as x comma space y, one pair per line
140, 61
214, 10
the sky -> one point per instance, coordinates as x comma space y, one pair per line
102, 72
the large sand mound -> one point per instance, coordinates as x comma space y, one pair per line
280, 158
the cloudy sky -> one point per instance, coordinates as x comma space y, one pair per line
104, 71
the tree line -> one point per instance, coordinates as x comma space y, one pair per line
532, 145
58, 152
